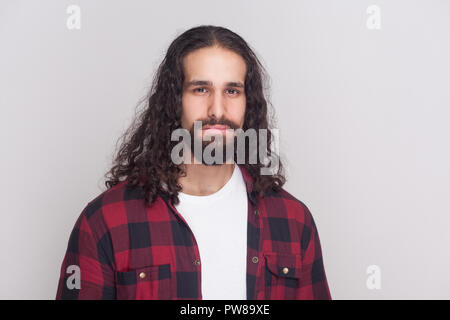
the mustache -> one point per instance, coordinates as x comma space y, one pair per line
221, 121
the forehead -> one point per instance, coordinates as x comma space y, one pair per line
214, 64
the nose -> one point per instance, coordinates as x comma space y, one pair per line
216, 107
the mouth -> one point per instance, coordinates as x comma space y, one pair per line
216, 128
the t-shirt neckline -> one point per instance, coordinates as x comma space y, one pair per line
216, 195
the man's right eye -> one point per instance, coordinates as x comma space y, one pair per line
199, 90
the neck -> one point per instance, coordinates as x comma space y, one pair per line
203, 180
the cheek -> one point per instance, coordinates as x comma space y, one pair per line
188, 113
238, 113
184, 119
193, 108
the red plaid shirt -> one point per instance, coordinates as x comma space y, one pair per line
127, 250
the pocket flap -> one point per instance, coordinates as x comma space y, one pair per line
148, 273
286, 265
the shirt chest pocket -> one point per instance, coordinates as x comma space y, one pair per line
145, 283
282, 273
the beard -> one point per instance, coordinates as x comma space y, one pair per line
219, 143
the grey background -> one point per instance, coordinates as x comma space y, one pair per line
362, 114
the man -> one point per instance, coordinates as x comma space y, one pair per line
196, 230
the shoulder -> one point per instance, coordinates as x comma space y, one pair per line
115, 195
284, 203
112, 208
281, 207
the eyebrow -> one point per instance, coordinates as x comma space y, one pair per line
209, 83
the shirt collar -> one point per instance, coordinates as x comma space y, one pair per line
247, 179
248, 185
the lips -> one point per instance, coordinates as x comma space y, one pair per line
216, 127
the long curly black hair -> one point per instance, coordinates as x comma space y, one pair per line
144, 157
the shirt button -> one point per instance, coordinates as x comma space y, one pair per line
142, 275
255, 259
285, 270
197, 262
255, 211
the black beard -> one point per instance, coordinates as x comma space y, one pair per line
221, 145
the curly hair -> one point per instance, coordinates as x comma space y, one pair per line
144, 157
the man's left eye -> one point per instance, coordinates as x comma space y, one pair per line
233, 91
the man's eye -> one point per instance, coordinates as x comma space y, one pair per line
234, 92
197, 90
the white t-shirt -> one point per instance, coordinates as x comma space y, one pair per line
219, 224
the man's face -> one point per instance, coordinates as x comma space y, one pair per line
213, 92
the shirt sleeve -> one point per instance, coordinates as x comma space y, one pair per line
86, 272
313, 281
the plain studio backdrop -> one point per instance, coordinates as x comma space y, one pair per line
361, 91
